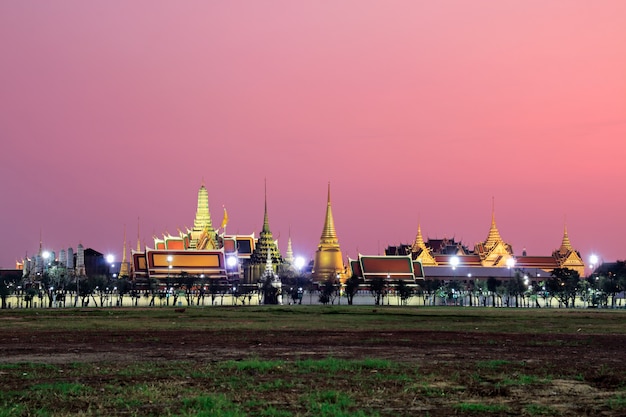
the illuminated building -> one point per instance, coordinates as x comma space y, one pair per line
328, 261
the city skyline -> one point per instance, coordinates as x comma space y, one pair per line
416, 112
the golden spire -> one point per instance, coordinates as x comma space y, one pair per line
203, 215
329, 235
328, 262
566, 245
266, 221
124, 264
289, 258
419, 240
202, 220
138, 238
494, 235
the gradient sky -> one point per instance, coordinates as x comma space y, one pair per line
415, 111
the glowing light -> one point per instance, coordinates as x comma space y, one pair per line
299, 263
510, 263
110, 258
454, 261
231, 261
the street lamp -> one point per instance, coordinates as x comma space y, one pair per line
593, 261
45, 255
299, 263
454, 261
338, 280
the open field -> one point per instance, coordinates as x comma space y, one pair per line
313, 361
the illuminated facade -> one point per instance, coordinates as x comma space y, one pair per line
200, 251
494, 254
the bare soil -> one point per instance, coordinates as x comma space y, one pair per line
583, 371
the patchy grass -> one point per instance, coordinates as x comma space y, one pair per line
479, 408
534, 321
540, 410
392, 362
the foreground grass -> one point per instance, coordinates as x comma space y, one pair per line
328, 387
499, 320
332, 387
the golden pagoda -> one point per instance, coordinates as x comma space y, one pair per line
328, 262
493, 251
420, 252
567, 257
124, 265
203, 234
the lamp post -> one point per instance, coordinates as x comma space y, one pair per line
387, 287
510, 263
454, 261
170, 258
593, 261
338, 280
45, 255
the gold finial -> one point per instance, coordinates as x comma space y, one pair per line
329, 235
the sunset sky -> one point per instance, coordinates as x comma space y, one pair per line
415, 111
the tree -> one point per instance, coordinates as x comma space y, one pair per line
564, 285
188, 281
403, 291
614, 281
328, 292
270, 291
429, 288
480, 286
492, 287
7, 283
378, 289
515, 287
351, 289
123, 287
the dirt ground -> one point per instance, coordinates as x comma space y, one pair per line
585, 370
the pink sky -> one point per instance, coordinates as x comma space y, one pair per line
414, 110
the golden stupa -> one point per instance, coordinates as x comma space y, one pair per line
328, 262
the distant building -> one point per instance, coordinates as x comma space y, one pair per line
446, 258
205, 252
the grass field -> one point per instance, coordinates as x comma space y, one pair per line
313, 361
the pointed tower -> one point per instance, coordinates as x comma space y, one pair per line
421, 252
567, 257
202, 226
493, 238
493, 251
266, 242
265, 246
124, 266
289, 258
138, 237
328, 260
566, 245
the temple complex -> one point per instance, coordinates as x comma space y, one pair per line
207, 252
446, 257
204, 251
328, 262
